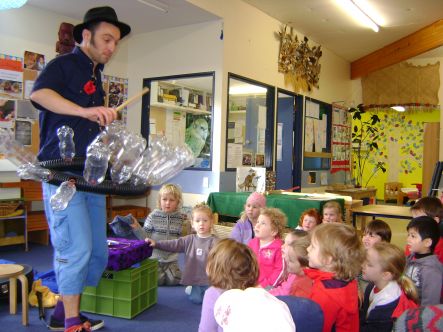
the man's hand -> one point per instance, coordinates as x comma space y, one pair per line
149, 241
102, 115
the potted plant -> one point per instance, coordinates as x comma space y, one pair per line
364, 143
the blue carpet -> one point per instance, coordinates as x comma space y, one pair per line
173, 311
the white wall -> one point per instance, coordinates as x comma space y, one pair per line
251, 50
33, 29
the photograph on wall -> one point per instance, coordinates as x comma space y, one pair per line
34, 61
250, 179
312, 177
259, 159
198, 138
247, 159
26, 110
7, 113
11, 77
23, 132
118, 91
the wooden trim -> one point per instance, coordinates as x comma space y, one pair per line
317, 154
421, 41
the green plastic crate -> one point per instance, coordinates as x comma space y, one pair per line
124, 293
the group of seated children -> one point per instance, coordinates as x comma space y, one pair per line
359, 284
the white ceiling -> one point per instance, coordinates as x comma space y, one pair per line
321, 20
325, 23
141, 17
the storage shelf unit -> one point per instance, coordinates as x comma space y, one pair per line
14, 225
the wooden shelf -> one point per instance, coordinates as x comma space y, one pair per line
180, 108
317, 154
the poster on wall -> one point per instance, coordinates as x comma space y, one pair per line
11, 77
116, 89
341, 140
7, 113
23, 132
250, 179
234, 155
198, 138
34, 61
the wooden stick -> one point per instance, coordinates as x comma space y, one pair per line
130, 100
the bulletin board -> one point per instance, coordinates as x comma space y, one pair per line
341, 139
317, 135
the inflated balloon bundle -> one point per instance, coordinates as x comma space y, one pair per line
130, 160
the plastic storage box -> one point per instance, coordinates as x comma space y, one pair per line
124, 293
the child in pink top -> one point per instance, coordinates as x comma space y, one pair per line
267, 245
295, 257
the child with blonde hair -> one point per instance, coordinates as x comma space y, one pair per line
243, 230
335, 254
309, 219
196, 248
295, 256
389, 292
231, 265
164, 223
267, 245
332, 212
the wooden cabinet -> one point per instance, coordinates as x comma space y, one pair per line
37, 226
38, 230
13, 228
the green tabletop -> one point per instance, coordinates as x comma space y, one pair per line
232, 204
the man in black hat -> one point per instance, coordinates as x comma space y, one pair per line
69, 92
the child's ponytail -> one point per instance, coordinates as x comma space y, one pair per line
408, 287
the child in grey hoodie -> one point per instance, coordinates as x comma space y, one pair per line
423, 267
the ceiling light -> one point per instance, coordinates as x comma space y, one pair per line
353, 9
155, 4
10, 4
398, 108
247, 89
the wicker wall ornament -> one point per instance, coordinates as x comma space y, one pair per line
299, 62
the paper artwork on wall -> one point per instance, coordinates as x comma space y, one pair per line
11, 77
7, 113
234, 155
250, 179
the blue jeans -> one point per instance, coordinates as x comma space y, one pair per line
78, 235
197, 294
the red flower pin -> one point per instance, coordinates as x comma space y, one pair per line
89, 87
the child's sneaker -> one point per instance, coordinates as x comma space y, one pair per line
85, 327
59, 325
188, 290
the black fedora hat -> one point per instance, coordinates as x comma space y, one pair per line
100, 14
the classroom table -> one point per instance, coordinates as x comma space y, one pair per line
232, 204
365, 194
383, 211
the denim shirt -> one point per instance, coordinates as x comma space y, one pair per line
67, 75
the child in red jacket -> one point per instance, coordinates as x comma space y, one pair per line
267, 245
336, 255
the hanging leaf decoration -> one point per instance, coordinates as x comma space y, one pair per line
299, 62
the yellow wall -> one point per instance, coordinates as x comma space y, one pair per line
400, 147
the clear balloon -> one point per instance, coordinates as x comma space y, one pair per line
60, 200
14, 150
34, 172
96, 163
66, 145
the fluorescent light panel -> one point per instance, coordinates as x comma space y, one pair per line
155, 4
247, 89
399, 108
353, 9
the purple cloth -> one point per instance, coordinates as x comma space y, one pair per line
207, 320
123, 253
242, 231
